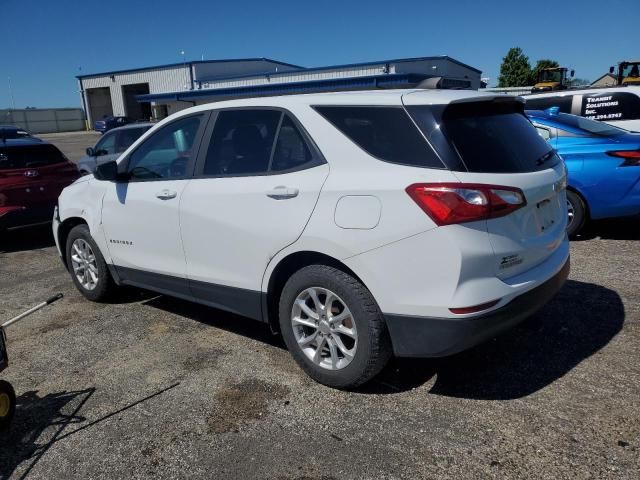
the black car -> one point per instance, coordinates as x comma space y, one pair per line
13, 132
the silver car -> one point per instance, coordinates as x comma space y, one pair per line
111, 145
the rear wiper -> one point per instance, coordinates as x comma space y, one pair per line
545, 157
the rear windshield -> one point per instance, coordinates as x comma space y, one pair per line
486, 136
29, 156
591, 127
386, 133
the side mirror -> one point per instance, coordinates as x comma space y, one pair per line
573, 72
108, 172
91, 152
611, 69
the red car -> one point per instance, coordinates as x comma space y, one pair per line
32, 175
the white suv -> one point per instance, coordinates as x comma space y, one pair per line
359, 224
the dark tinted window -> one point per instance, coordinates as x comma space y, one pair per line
126, 138
291, 149
611, 106
491, 137
107, 144
242, 142
29, 156
590, 127
386, 133
166, 153
542, 103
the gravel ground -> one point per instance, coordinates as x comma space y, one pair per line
157, 387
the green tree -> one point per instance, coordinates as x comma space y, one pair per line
515, 70
544, 63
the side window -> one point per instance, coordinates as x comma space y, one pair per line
106, 145
567, 133
542, 103
166, 153
125, 138
544, 133
242, 142
291, 149
611, 106
386, 133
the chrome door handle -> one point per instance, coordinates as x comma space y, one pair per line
282, 193
166, 194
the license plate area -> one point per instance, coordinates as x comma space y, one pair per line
545, 214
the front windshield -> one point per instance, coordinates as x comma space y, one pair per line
632, 70
550, 76
592, 127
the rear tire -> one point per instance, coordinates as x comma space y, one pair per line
349, 330
577, 213
87, 266
7, 404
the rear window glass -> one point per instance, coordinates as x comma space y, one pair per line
29, 156
386, 133
492, 137
590, 127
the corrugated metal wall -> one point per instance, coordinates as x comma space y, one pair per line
172, 79
46, 120
296, 76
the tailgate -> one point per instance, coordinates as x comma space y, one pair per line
528, 236
488, 140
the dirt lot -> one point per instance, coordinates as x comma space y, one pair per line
157, 387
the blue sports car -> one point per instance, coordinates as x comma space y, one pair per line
603, 164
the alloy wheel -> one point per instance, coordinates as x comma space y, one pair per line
324, 328
570, 213
83, 261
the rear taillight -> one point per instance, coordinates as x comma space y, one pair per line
450, 203
631, 157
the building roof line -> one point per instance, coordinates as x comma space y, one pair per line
332, 67
192, 62
313, 86
301, 69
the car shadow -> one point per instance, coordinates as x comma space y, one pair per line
217, 318
580, 320
29, 238
612, 229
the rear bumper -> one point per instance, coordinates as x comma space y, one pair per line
437, 337
25, 216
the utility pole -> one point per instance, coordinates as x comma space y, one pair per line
13, 100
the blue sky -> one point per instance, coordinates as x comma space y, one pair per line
45, 43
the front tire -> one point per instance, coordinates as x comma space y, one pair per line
7, 404
87, 266
333, 327
576, 212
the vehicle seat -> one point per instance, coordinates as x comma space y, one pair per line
249, 151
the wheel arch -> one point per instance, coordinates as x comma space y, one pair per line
583, 197
283, 270
63, 233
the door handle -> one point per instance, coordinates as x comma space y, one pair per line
166, 194
282, 193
